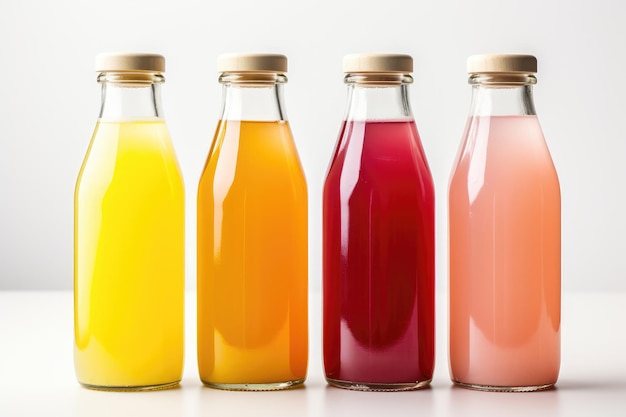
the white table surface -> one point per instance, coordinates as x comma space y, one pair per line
37, 374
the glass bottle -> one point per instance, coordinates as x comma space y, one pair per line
129, 236
252, 236
504, 236
378, 236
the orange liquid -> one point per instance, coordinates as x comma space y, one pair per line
504, 208
252, 257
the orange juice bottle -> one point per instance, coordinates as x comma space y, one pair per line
129, 237
252, 236
505, 237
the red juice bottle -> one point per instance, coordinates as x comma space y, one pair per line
379, 237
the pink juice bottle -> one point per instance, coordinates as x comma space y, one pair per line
504, 237
378, 245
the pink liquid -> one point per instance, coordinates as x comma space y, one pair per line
379, 257
505, 256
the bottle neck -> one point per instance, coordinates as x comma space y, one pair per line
511, 98
130, 98
378, 97
253, 97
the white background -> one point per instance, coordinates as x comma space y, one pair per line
36, 381
49, 101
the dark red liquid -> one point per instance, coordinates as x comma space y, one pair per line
379, 253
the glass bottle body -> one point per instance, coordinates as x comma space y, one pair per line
252, 247
504, 240
129, 246
378, 247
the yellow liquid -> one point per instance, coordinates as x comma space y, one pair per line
252, 258
129, 259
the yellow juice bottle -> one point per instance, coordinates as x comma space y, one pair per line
129, 237
252, 237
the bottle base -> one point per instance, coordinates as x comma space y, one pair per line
132, 388
498, 388
270, 386
368, 386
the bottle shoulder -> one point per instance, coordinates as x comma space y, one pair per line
136, 152
500, 138
249, 153
388, 141
379, 156
503, 156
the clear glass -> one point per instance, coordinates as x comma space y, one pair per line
378, 244
504, 243
378, 97
502, 95
252, 244
130, 96
129, 244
